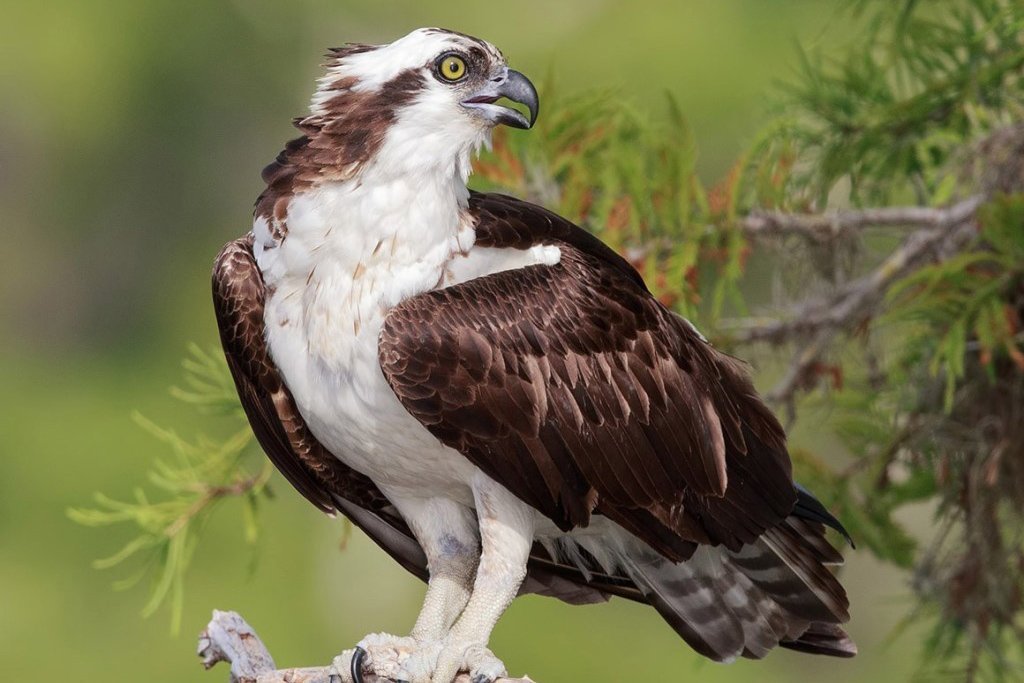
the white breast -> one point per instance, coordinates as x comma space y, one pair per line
349, 256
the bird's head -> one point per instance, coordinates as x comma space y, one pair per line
430, 97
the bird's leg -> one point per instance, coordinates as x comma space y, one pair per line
448, 535
449, 538
506, 536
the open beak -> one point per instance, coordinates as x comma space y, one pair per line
515, 87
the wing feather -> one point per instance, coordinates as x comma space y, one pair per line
575, 388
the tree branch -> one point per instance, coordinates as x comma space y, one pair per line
229, 638
941, 233
827, 227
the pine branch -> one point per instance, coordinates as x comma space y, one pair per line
824, 228
940, 234
229, 638
167, 517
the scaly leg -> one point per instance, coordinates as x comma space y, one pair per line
506, 536
447, 532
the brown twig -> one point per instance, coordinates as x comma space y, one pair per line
212, 493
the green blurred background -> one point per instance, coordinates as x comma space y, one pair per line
131, 139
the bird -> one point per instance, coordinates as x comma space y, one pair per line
493, 395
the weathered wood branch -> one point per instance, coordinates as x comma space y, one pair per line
229, 638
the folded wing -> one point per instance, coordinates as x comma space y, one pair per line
573, 387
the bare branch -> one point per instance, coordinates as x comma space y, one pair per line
229, 638
940, 234
841, 308
827, 227
853, 304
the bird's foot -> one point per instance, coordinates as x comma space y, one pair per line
379, 653
441, 661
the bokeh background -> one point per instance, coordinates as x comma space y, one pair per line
132, 134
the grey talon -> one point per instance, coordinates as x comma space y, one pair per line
356, 667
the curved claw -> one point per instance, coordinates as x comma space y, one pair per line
356, 667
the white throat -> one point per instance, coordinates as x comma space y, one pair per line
426, 144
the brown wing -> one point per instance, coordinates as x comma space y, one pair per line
238, 297
573, 387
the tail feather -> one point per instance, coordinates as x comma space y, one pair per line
774, 592
689, 602
764, 623
831, 604
812, 534
823, 639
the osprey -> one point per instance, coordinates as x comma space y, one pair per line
493, 395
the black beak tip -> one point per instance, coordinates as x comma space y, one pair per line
518, 88
533, 119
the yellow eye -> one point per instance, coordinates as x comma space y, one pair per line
452, 67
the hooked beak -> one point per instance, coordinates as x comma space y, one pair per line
516, 87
